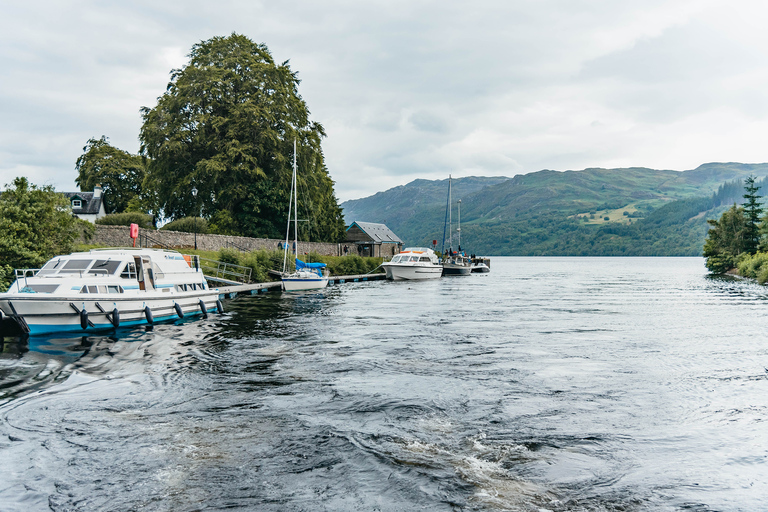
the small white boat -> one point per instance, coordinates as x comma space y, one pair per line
107, 288
480, 268
413, 263
307, 276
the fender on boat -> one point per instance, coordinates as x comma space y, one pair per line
203, 309
219, 306
83, 319
115, 318
148, 315
179, 312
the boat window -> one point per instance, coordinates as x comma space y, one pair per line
39, 288
102, 289
93, 289
106, 267
414, 258
50, 267
424, 258
395, 259
114, 289
75, 266
129, 271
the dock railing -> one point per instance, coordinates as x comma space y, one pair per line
225, 272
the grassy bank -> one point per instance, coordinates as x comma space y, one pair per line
262, 261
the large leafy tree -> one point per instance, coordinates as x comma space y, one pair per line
726, 239
118, 172
35, 225
226, 126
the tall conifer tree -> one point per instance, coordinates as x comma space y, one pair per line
752, 211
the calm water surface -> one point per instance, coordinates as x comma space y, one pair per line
548, 384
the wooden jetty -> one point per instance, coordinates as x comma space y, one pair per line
230, 291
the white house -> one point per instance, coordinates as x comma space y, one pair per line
87, 205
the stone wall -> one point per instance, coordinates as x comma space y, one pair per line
119, 236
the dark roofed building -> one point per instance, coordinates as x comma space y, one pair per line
87, 205
372, 239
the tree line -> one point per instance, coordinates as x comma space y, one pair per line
224, 128
738, 240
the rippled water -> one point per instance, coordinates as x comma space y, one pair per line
548, 384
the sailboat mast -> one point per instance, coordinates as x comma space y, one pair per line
291, 201
459, 228
295, 206
450, 213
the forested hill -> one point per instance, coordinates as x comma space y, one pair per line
596, 212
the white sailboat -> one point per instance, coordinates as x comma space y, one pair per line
455, 263
307, 276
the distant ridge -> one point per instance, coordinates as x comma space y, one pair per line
626, 211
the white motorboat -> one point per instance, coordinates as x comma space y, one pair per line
107, 288
307, 276
480, 268
413, 263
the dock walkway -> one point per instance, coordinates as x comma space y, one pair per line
232, 291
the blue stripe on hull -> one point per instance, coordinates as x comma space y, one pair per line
35, 330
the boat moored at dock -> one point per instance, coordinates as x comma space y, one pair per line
107, 288
412, 264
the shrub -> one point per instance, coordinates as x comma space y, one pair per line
6, 277
188, 225
351, 265
126, 219
754, 266
230, 256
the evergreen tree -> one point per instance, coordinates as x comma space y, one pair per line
726, 240
752, 211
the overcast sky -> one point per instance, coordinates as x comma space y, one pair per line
409, 89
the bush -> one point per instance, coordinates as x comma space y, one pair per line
144, 220
188, 225
754, 266
6, 277
230, 256
351, 265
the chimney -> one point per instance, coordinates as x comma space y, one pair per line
97, 191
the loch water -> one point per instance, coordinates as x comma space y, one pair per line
549, 384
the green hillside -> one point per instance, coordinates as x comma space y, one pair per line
633, 211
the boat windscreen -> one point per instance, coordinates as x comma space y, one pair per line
75, 266
104, 267
50, 268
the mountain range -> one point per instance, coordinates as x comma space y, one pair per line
593, 212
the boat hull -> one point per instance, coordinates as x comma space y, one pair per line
412, 272
299, 284
452, 269
45, 315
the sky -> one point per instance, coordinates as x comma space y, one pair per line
409, 89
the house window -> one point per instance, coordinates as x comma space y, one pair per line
76, 203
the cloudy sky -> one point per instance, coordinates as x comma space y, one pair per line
409, 89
